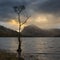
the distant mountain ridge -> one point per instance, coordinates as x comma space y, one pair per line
34, 31
6, 32
29, 31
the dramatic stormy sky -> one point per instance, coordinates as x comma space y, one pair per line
44, 13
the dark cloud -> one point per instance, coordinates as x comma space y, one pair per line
49, 6
6, 8
44, 6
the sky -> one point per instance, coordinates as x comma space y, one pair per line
44, 13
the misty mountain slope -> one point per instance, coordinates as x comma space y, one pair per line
30, 31
55, 32
34, 31
6, 32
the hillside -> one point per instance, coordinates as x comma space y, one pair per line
34, 31
5, 32
29, 31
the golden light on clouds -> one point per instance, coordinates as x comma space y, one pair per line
13, 22
41, 19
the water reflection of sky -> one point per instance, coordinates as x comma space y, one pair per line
9, 44
32, 45
41, 45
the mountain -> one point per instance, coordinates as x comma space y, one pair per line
34, 31
29, 31
55, 32
6, 32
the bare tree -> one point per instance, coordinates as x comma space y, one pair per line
18, 10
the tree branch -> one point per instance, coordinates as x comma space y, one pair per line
25, 20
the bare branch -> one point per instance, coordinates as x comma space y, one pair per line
25, 20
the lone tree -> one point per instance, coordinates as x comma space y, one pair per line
18, 10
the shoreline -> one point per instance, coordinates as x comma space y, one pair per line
4, 55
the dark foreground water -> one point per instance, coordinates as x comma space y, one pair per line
34, 48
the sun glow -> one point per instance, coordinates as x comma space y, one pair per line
15, 24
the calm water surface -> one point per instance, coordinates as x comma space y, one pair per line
34, 45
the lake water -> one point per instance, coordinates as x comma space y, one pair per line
43, 46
